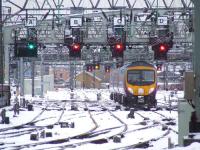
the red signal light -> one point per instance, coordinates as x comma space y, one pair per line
75, 50
119, 47
160, 51
76, 47
163, 48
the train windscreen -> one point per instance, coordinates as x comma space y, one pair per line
140, 77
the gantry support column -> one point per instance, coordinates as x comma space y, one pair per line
194, 125
21, 72
33, 76
72, 68
1, 47
196, 57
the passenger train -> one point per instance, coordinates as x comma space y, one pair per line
134, 85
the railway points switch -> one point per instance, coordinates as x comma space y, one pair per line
64, 124
42, 134
117, 139
49, 134
34, 136
74, 107
98, 96
72, 125
67, 125
7, 120
118, 107
50, 127
131, 114
30, 107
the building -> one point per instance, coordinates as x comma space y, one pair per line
88, 80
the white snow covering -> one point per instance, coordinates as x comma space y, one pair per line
83, 122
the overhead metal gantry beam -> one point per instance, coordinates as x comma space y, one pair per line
16, 7
48, 12
99, 29
95, 33
99, 3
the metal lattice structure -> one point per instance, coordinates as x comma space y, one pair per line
53, 18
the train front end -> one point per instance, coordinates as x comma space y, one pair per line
141, 83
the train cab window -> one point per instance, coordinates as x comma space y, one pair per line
133, 76
148, 76
140, 77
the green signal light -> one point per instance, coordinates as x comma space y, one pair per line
31, 46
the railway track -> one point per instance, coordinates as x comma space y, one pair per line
165, 126
143, 144
97, 112
166, 120
27, 128
94, 135
24, 124
58, 140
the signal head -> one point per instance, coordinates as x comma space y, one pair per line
163, 47
76, 47
31, 45
159, 67
119, 47
107, 69
97, 66
160, 51
75, 50
89, 67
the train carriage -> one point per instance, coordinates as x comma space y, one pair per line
134, 84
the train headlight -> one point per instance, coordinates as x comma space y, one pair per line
140, 91
130, 90
151, 90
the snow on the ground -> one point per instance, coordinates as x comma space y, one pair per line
84, 125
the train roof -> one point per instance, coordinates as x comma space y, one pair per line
140, 63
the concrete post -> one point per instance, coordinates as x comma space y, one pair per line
196, 57
1, 48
